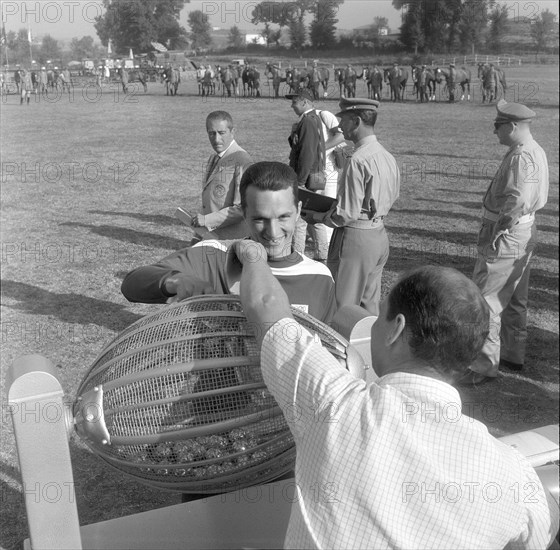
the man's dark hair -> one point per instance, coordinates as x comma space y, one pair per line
369, 117
268, 176
447, 318
220, 115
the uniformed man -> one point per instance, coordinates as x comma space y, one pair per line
368, 187
507, 240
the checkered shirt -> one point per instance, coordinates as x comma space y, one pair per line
395, 464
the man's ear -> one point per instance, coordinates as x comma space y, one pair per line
299, 207
397, 328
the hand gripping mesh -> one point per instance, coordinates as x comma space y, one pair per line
177, 400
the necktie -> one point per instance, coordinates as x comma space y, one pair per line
213, 164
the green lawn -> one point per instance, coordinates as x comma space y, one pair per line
89, 187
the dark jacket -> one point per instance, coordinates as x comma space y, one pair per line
308, 147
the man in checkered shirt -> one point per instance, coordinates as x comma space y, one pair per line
395, 463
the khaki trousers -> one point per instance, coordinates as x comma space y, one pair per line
503, 277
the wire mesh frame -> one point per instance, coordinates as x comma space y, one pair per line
184, 400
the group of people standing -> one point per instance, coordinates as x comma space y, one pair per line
29, 82
350, 238
436, 329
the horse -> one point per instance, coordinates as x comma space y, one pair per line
397, 78
171, 77
273, 72
295, 79
52, 79
462, 77
490, 77
339, 78
253, 82
245, 79
425, 85
137, 75
373, 77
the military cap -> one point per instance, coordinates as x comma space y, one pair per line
513, 112
357, 104
303, 94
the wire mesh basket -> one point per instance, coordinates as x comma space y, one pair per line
177, 400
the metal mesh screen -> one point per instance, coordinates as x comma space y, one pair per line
178, 400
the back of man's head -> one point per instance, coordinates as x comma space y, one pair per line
369, 117
268, 176
220, 115
447, 318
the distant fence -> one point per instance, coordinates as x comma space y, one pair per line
503, 60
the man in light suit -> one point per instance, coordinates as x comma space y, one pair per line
221, 202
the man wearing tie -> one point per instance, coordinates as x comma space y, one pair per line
221, 203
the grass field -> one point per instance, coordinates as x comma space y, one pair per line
89, 186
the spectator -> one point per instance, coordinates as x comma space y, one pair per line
221, 202
397, 465
270, 206
368, 187
507, 239
307, 158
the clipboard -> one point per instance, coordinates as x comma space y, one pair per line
187, 219
313, 201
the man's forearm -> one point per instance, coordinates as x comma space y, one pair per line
144, 285
224, 217
264, 300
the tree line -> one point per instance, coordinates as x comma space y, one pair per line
466, 25
427, 26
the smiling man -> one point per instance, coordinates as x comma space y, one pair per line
221, 208
268, 197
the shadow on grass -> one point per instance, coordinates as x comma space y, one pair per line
435, 214
524, 400
453, 240
132, 236
101, 493
444, 241
69, 308
417, 154
160, 219
451, 176
460, 192
13, 527
543, 284
548, 212
465, 204
547, 228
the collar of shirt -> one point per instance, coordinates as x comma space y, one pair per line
303, 114
413, 384
365, 140
224, 152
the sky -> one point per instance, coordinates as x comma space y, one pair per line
66, 19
